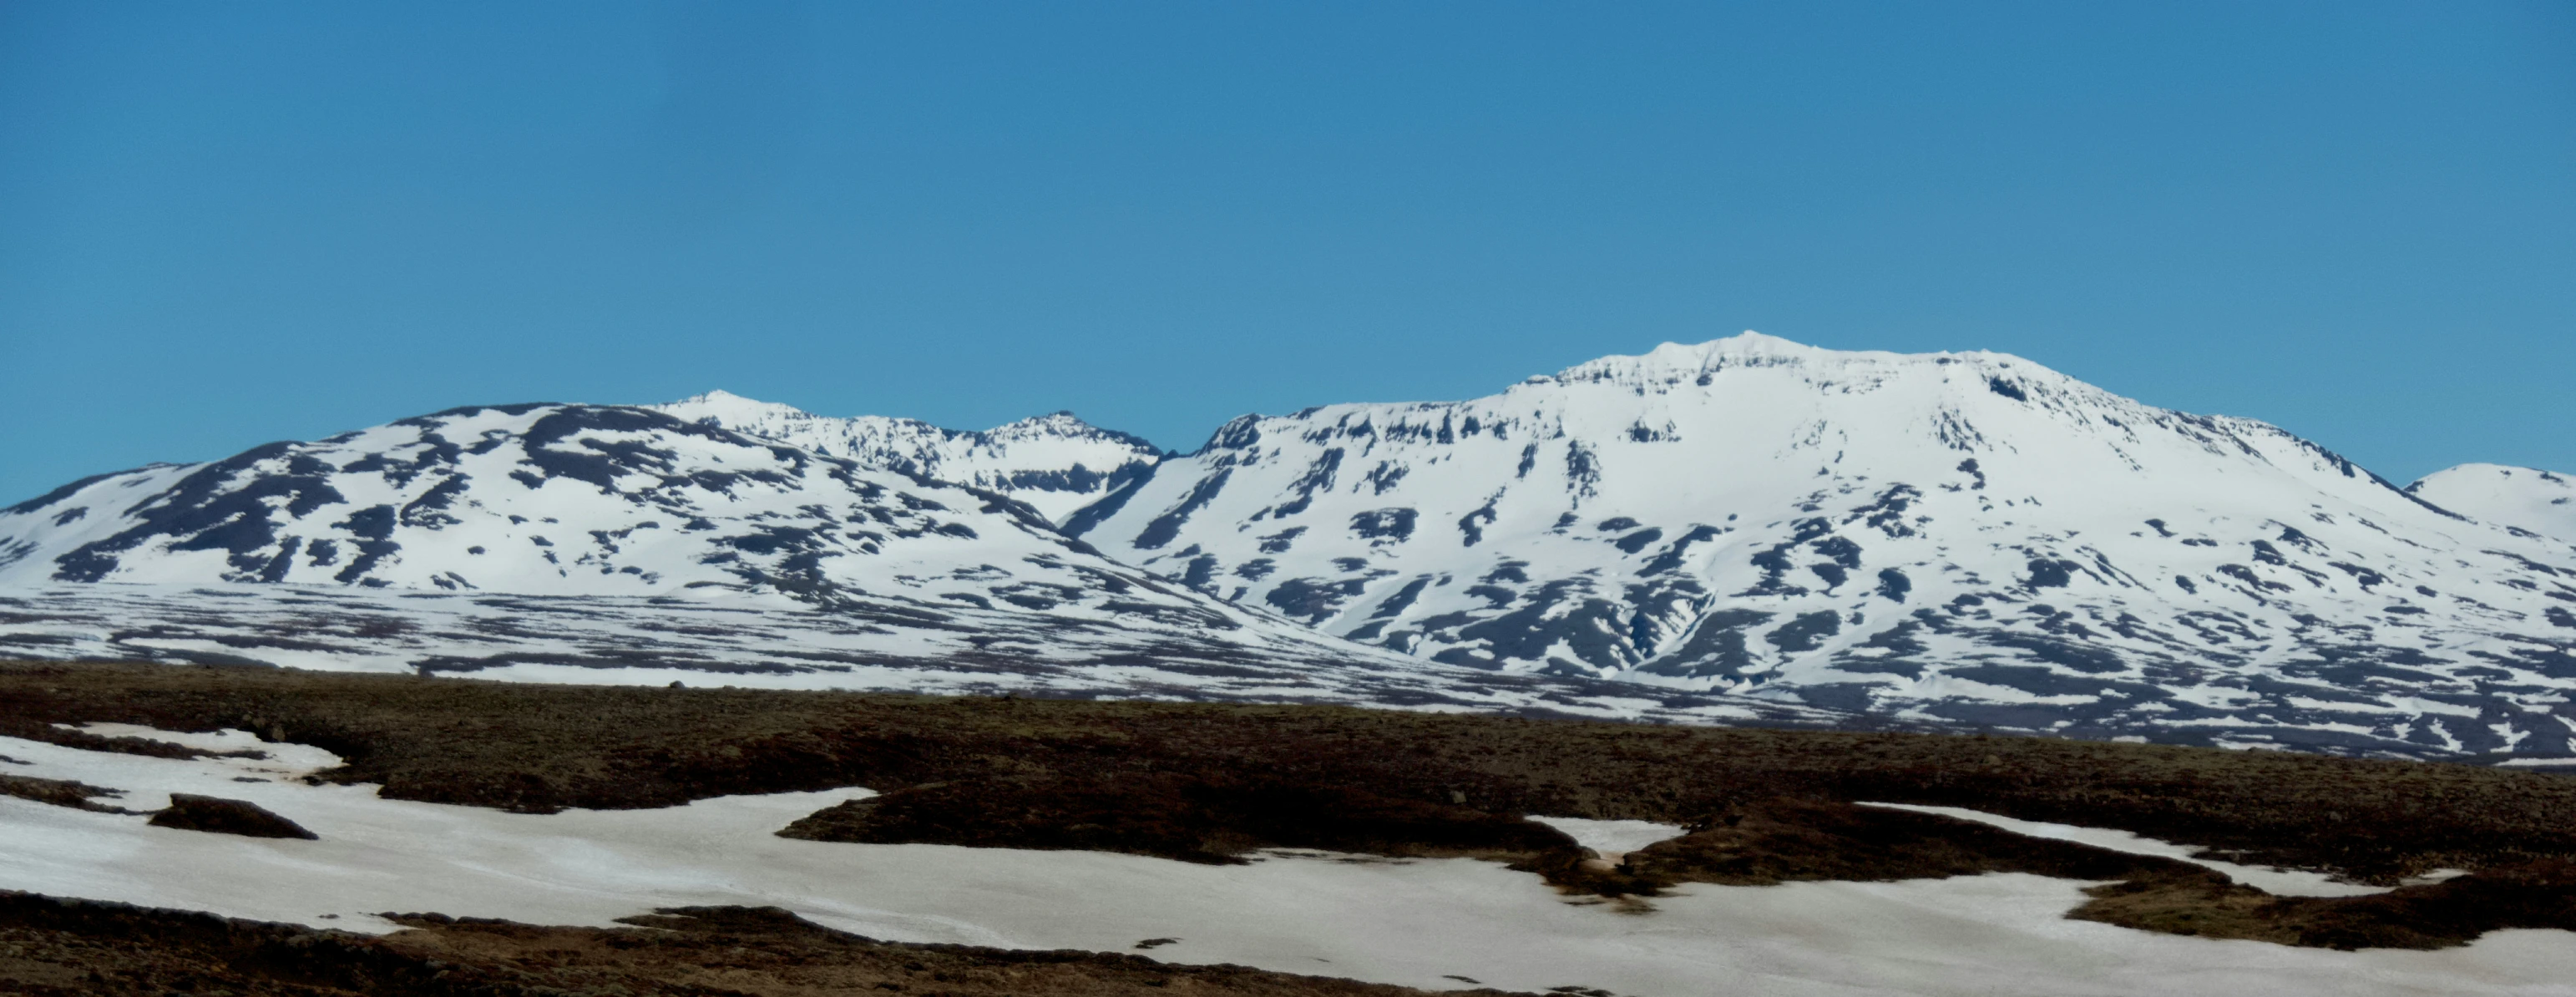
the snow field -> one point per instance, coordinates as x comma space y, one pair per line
2520, 497
1418, 923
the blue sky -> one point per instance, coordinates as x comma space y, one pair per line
223, 224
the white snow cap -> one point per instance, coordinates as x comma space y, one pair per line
732, 411
2523, 498
1056, 462
1951, 537
1674, 362
1968, 536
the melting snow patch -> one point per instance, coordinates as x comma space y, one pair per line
2278, 882
264, 756
1612, 838
1426, 923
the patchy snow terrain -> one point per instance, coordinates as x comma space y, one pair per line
1055, 463
1969, 538
1741, 528
570, 500
761, 640
1425, 923
617, 506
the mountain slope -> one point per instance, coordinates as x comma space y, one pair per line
554, 499
1741, 529
1968, 537
1054, 463
592, 543
582, 501
2521, 498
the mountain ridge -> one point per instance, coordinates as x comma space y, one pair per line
1056, 462
1963, 539
2525, 499
1845, 529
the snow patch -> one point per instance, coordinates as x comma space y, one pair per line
1612, 839
2275, 881
1409, 922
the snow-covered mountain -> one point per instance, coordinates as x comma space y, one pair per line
599, 543
550, 499
2520, 498
1054, 463
1966, 537
763, 639
585, 501
1747, 529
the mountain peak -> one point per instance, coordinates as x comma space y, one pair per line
2526, 500
1055, 462
1970, 536
1061, 419
1671, 362
1064, 425
730, 410
1748, 341
1967, 538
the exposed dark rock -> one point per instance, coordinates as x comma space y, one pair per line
191, 812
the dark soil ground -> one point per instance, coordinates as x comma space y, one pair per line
58, 948
1202, 782
60, 792
1782, 840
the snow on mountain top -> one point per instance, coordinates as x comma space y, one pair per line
623, 518
725, 405
724, 408
1056, 463
569, 499
1946, 538
2520, 498
1967, 536
1686, 361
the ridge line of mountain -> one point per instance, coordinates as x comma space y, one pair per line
1964, 539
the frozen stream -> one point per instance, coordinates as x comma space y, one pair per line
1418, 923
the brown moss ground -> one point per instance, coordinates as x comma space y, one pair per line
61, 793
1187, 816
2455, 912
1204, 782
58, 948
1785, 840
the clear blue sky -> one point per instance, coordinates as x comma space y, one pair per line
227, 223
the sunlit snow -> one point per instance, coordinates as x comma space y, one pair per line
1414, 922
2279, 882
